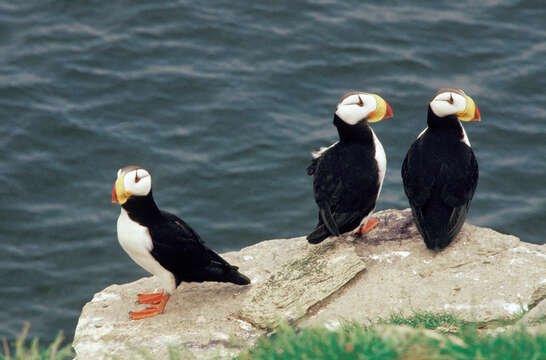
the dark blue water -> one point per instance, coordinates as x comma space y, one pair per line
222, 101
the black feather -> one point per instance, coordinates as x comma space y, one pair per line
346, 181
178, 248
440, 175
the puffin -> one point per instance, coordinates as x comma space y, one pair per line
162, 243
440, 171
348, 175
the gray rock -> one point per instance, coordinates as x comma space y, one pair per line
308, 275
483, 275
537, 308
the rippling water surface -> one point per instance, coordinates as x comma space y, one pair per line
222, 101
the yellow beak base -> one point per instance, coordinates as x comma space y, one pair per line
382, 110
121, 195
471, 111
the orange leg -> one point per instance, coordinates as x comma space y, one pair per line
153, 298
151, 310
370, 225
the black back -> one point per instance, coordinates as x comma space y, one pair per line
178, 248
346, 181
440, 175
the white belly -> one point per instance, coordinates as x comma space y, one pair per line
465, 138
136, 241
381, 159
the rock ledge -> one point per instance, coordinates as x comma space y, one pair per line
483, 275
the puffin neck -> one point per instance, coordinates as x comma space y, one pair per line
142, 209
446, 124
359, 132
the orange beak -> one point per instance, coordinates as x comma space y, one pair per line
114, 195
477, 116
389, 112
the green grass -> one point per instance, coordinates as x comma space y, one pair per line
517, 344
349, 343
427, 320
399, 337
23, 350
383, 341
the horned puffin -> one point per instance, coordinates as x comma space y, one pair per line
162, 243
348, 175
440, 171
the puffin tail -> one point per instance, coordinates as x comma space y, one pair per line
318, 235
439, 231
236, 277
221, 270
223, 273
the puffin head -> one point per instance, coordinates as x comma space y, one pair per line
355, 107
131, 181
454, 102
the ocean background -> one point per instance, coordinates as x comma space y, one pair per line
223, 101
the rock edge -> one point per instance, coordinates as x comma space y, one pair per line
482, 276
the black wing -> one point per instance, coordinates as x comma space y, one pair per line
179, 249
461, 180
417, 185
439, 190
345, 186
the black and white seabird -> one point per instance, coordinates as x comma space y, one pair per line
440, 171
162, 243
348, 175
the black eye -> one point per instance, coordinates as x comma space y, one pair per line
360, 102
450, 99
137, 179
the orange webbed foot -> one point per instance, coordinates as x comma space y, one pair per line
153, 310
370, 225
153, 298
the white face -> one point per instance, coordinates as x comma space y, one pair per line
448, 103
355, 107
137, 182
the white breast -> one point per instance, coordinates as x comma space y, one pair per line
465, 138
135, 239
381, 159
